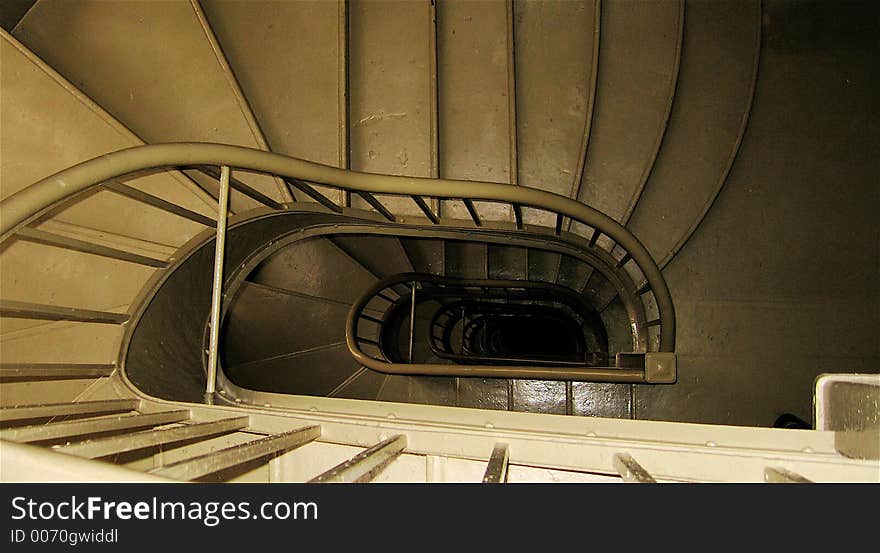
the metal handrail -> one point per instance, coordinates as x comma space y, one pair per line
462, 291
441, 344
380, 363
35, 201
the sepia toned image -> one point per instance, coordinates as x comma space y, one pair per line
451, 241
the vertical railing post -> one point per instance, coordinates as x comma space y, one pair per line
217, 286
412, 320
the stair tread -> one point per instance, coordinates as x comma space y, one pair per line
393, 120
76, 131
315, 373
163, 97
296, 268
289, 73
712, 105
638, 58
297, 323
475, 68
554, 94
381, 255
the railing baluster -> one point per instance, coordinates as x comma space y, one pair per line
27, 310
217, 285
473, 211
48, 410
516, 367
779, 475
158, 203
412, 320
377, 205
209, 463
631, 471
101, 447
425, 209
496, 470
70, 429
624, 260
243, 188
310, 191
41, 237
57, 371
558, 229
27, 205
366, 465
517, 215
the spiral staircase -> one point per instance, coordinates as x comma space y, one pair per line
331, 241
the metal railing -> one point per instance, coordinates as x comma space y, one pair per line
33, 203
394, 294
475, 318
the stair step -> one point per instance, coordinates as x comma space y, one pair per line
507, 262
395, 388
617, 321
432, 390
68, 278
210, 463
484, 393
573, 273
543, 265
315, 266
363, 384
599, 291
712, 105
476, 99
639, 53
159, 203
162, 98
292, 76
555, 86
72, 129
314, 372
381, 255
540, 396
466, 259
393, 121
263, 323
426, 255
601, 399
27, 344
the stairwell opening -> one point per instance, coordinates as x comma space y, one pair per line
284, 327
293, 277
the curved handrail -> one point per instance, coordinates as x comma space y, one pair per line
467, 291
379, 363
30, 203
442, 348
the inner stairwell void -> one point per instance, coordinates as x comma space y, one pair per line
504, 240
